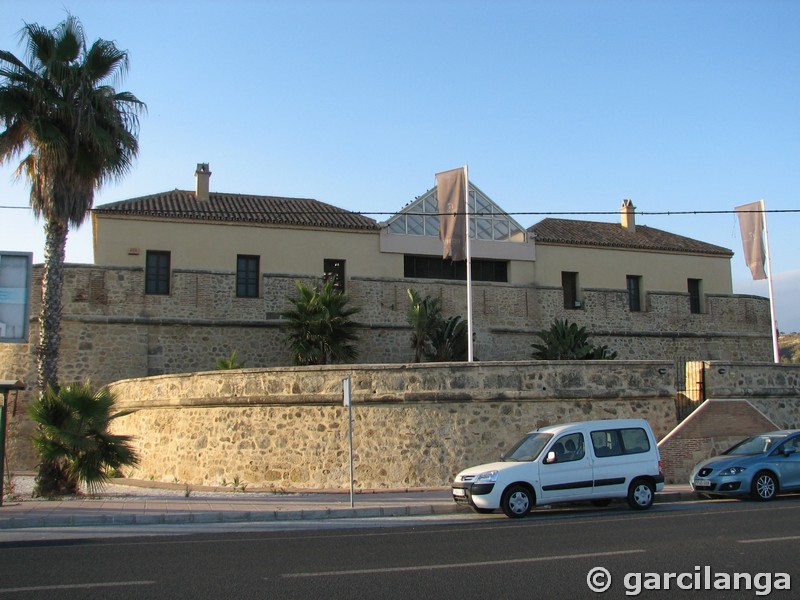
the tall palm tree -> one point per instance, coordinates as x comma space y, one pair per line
321, 330
74, 133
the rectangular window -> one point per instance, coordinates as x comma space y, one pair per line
333, 268
156, 273
433, 267
569, 285
247, 273
634, 293
616, 442
694, 296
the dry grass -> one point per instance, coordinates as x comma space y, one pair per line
789, 345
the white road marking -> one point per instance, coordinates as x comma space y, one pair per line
74, 586
768, 540
511, 561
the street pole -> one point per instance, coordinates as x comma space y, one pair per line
347, 391
5, 388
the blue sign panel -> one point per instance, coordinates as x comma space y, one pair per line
15, 296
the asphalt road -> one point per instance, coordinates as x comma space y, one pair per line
548, 555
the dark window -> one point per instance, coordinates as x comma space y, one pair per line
569, 284
156, 273
432, 267
569, 448
246, 276
694, 295
333, 268
634, 293
615, 442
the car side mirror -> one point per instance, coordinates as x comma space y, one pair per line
550, 458
789, 450
502, 456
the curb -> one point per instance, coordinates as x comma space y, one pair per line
265, 516
205, 517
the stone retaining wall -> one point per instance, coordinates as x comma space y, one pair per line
414, 425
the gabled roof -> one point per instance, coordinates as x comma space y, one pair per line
614, 235
220, 207
488, 220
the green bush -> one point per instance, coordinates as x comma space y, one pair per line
73, 441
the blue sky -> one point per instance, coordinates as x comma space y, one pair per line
557, 106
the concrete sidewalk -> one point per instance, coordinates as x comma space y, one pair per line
150, 506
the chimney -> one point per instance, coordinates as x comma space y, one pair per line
201, 177
628, 215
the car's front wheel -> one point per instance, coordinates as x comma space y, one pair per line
641, 494
764, 486
517, 501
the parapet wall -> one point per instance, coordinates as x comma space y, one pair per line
413, 425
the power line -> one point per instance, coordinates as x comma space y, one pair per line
436, 214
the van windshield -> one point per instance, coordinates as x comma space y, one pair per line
528, 448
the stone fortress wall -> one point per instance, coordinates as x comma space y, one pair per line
413, 425
417, 425
111, 330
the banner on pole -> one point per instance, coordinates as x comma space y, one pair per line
451, 192
751, 223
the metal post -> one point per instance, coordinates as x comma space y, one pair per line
348, 402
3, 413
5, 388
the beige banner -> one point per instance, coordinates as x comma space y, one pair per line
451, 191
751, 223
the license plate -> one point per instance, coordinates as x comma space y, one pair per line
702, 483
459, 492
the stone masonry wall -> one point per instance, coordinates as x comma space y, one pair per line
414, 425
111, 330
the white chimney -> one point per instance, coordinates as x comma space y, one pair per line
201, 177
628, 215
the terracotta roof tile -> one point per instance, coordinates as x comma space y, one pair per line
181, 204
614, 235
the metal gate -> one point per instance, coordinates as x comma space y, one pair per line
690, 388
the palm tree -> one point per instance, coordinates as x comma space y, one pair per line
226, 364
76, 132
320, 326
424, 316
567, 341
449, 341
73, 440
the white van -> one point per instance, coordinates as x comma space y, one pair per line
594, 460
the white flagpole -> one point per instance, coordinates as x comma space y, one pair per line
469, 267
776, 352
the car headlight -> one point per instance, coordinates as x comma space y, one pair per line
731, 471
487, 477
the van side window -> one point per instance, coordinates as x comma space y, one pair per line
569, 447
616, 442
634, 441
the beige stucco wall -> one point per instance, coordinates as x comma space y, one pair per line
214, 246
414, 425
608, 268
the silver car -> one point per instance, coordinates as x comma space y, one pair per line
762, 466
